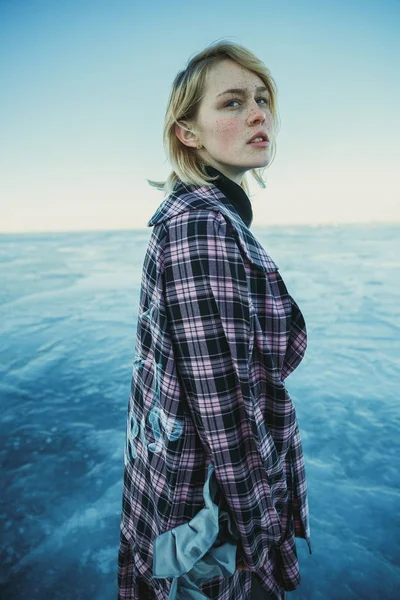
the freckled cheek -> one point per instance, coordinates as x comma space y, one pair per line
225, 132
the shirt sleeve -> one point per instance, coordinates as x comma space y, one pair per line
209, 319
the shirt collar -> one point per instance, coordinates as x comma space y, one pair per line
234, 193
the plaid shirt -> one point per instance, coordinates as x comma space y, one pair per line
217, 335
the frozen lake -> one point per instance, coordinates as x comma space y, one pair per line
68, 309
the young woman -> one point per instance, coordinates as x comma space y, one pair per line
214, 481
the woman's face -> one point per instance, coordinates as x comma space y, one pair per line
227, 120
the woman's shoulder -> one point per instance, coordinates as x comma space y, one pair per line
193, 211
192, 201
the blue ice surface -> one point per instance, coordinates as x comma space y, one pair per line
68, 310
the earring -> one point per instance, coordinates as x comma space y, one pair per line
199, 146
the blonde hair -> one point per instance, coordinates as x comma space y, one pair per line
188, 88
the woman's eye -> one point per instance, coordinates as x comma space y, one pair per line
262, 98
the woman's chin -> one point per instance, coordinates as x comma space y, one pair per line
260, 164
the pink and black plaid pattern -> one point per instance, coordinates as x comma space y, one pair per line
217, 335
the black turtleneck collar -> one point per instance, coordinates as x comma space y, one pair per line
234, 193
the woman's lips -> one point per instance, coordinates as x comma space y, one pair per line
262, 144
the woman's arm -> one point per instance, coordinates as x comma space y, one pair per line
208, 310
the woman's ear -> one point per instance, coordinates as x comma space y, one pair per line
188, 138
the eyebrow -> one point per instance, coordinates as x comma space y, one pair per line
242, 91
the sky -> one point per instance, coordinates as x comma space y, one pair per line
84, 88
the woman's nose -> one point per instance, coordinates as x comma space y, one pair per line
256, 114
